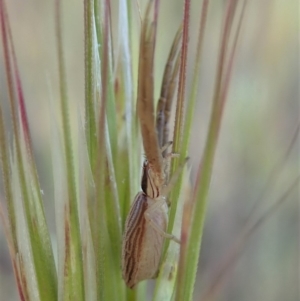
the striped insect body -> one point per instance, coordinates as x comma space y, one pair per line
143, 241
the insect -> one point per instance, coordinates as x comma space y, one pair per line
145, 232
146, 223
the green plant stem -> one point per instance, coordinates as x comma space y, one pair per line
89, 62
34, 217
73, 280
191, 243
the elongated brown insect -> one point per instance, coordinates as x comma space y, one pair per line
146, 223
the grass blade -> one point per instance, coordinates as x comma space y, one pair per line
39, 240
166, 281
73, 269
89, 62
191, 244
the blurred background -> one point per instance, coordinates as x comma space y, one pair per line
260, 118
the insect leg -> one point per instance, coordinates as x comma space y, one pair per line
164, 147
165, 191
152, 211
161, 231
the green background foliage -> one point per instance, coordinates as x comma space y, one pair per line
260, 117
